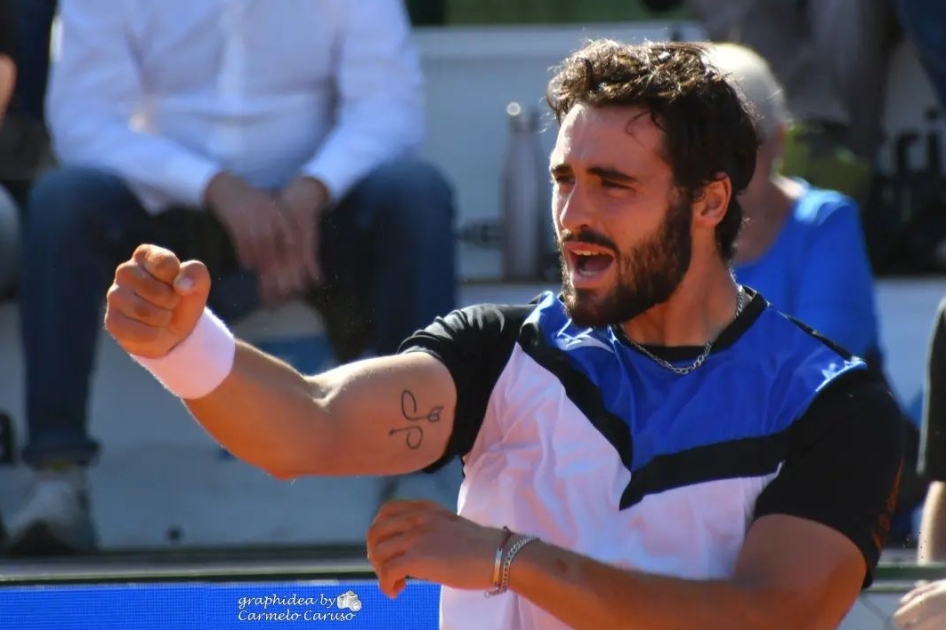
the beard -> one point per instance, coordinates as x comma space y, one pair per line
648, 274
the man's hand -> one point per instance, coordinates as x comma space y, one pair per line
260, 229
303, 200
296, 267
421, 539
923, 608
155, 301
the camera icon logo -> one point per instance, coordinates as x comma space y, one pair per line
348, 601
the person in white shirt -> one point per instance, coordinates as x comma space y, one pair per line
286, 132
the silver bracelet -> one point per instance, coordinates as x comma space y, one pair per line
498, 562
503, 585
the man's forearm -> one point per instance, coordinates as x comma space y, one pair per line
932, 543
589, 595
266, 414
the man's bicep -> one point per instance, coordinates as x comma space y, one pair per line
424, 406
821, 523
391, 415
842, 468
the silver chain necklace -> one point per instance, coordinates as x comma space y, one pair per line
740, 295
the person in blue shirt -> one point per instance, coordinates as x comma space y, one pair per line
801, 247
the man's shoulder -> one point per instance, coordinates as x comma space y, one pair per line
472, 330
836, 381
789, 336
799, 361
491, 316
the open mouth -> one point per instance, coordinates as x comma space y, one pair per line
588, 262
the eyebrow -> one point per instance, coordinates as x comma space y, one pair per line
612, 174
603, 172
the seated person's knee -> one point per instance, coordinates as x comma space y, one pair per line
72, 200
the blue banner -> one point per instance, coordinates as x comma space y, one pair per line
358, 605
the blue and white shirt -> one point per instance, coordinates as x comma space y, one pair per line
575, 436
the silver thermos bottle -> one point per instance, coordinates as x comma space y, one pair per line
529, 250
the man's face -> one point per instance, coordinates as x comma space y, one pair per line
623, 232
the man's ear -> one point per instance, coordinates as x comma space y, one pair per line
711, 207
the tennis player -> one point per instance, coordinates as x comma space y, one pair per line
655, 448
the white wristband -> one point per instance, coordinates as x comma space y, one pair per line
200, 363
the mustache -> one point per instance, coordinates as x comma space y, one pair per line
589, 237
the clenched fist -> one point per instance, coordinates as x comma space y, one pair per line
155, 301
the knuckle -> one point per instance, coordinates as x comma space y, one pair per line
154, 258
117, 325
165, 261
117, 296
143, 310
110, 320
162, 319
155, 293
127, 271
142, 253
112, 292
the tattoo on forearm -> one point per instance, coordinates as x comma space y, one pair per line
414, 433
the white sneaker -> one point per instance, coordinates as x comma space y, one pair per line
56, 519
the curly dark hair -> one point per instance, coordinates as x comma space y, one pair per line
708, 128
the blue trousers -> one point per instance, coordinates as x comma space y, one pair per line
387, 251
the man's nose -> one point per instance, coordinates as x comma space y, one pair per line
575, 213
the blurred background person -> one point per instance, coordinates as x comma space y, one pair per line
803, 248
831, 57
924, 22
925, 606
277, 140
932, 461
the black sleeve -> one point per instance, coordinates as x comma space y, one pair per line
843, 465
474, 343
932, 459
